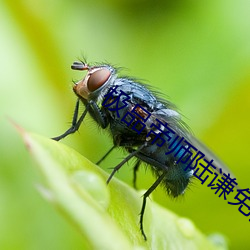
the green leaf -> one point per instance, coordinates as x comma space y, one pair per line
107, 215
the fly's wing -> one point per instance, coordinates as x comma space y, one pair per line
210, 155
173, 118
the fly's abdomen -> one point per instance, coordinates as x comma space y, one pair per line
170, 154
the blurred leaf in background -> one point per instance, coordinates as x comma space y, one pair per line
197, 53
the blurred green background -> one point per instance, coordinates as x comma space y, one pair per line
195, 52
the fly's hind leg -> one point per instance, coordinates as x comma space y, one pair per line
145, 196
135, 169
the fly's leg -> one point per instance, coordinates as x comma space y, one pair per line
145, 196
135, 169
91, 107
124, 161
100, 117
75, 124
105, 155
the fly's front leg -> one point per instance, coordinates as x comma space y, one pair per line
75, 123
97, 114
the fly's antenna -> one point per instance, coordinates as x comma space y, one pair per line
80, 66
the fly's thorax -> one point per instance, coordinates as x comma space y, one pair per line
96, 79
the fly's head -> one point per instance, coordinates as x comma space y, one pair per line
95, 80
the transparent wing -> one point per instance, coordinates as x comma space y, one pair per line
173, 118
210, 155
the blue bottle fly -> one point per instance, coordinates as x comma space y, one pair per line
148, 127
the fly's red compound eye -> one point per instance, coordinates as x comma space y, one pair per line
97, 79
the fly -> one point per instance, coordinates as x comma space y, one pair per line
148, 127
